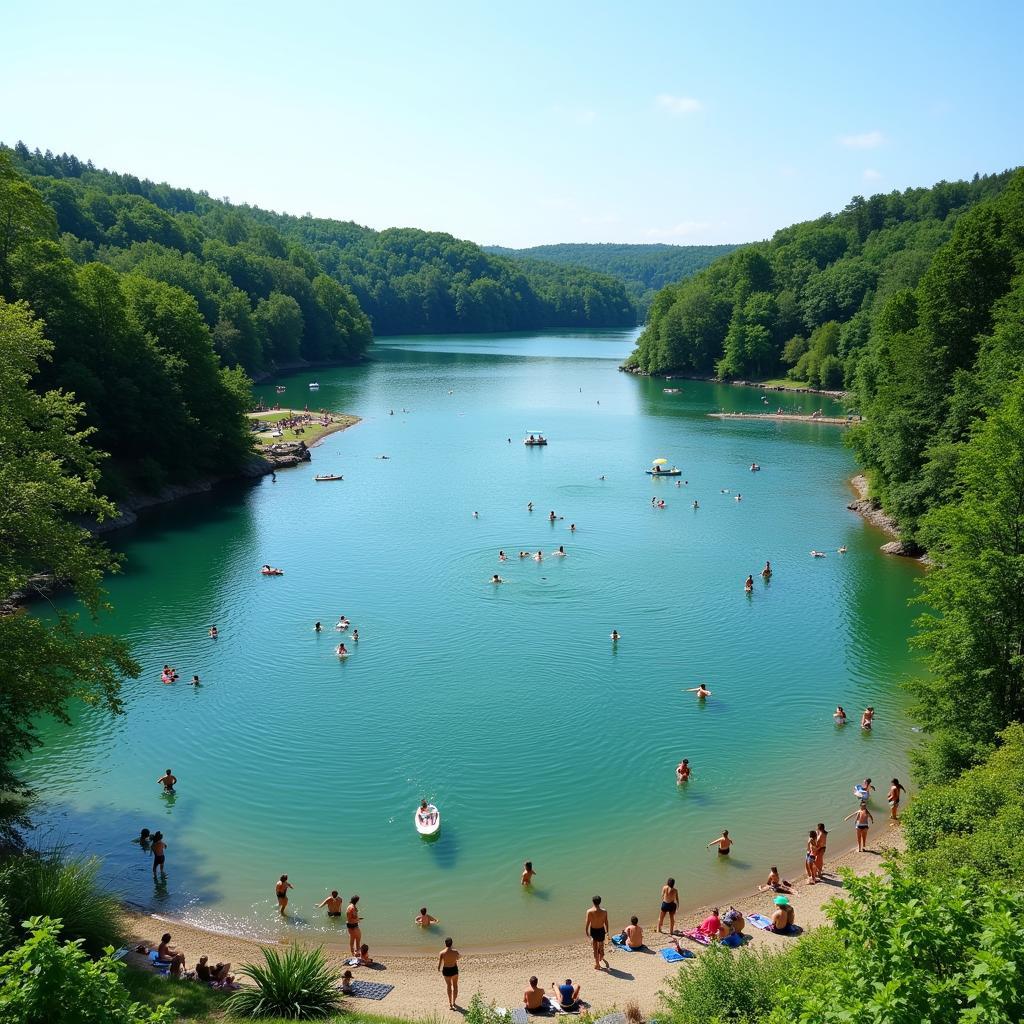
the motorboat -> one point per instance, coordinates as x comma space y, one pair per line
314, 385
535, 438
324, 477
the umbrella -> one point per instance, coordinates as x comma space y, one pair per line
659, 462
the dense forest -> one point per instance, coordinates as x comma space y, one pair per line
283, 288
643, 269
806, 301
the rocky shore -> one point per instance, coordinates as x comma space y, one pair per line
872, 511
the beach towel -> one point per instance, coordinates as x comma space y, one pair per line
760, 921
370, 989
672, 955
732, 940
620, 943
698, 936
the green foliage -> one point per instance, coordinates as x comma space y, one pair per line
975, 821
479, 1012
642, 268
66, 890
972, 635
192, 1002
296, 985
48, 474
840, 269
45, 981
914, 951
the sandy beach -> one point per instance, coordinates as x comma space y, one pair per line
836, 421
501, 975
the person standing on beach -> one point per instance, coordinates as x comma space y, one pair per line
448, 965
159, 849
862, 819
596, 927
811, 858
820, 842
281, 891
895, 789
669, 902
352, 920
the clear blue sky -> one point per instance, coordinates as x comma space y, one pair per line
527, 122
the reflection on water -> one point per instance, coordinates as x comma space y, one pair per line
507, 706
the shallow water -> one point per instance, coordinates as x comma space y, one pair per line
506, 705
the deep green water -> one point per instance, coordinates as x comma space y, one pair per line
508, 706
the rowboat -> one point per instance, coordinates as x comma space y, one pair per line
324, 477
427, 820
659, 467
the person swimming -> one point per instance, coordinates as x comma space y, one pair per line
560, 553
524, 554
501, 556
842, 550
739, 497
868, 718
423, 919
496, 579
817, 554
683, 770
317, 628
723, 842
529, 506
702, 691
341, 651
213, 633
615, 635
572, 527
355, 635
539, 557
839, 715
766, 572
748, 584
195, 681
696, 504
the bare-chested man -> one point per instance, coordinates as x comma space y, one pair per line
723, 842
634, 934
775, 883
332, 903
596, 927
352, 920
448, 965
168, 780
535, 999
669, 902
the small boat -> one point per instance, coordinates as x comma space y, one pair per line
280, 389
659, 467
269, 570
324, 477
428, 820
314, 385
671, 391
535, 438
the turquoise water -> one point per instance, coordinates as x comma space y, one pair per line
506, 705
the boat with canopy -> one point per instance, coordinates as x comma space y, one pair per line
660, 467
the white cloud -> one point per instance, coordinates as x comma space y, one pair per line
678, 104
866, 140
870, 174
680, 230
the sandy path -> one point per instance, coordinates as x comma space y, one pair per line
501, 975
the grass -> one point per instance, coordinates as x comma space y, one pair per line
783, 382
312, 432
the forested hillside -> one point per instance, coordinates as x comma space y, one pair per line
229, 256
806, 301
643, 269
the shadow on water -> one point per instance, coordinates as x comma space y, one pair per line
126, 868
444, 847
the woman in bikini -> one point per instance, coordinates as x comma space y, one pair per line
352, 920
811, 858
281, 891
862, 820
895, 790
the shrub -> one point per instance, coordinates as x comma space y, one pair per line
296, 986
45, 980
64, 889
479, 1012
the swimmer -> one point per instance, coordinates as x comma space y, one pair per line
868, 718
332, 903
739, 497
195, 681
539, 557
524, 554
168, 780
839, 715
661, 504
723, 842
702, 691
615, 635
476, 515
748, 584
342, 624
683, 770
895, 789
529, 506
552, 517
213, 633
560, 553
841, 550
501, 556
766, 572
817, 554
355, 635
317, 628
423, 919
341, 651
725, 490
696, 505
572, 527
528, 873
601, 477
281, 888
496, 579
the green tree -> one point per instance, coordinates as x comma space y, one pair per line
46, 981
24, 215
48, 474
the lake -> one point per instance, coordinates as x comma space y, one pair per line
508, 706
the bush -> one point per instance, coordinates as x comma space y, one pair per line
479, 1012
45, 981
296, 986
976, 821
67, 890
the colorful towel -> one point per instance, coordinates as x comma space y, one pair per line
370, 989
620, 943
671, 955
698, 936
760, 921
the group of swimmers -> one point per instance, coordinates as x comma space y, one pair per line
537, 556
342, 626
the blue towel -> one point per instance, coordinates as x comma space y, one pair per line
620, 943
760, 921
670, 955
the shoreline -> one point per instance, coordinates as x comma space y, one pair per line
873, 514
786, 417
499, 971
710, 379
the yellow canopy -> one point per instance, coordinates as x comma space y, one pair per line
659, 462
